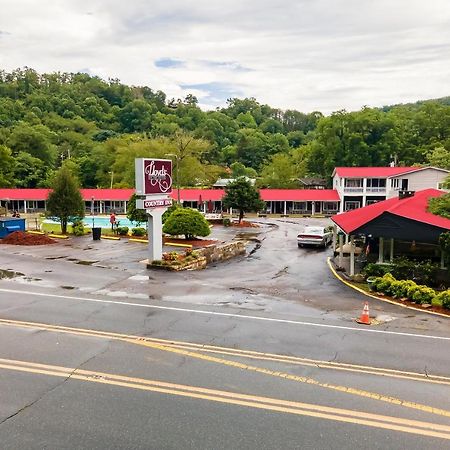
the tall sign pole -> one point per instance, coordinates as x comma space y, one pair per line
153, 190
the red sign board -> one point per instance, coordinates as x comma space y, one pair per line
153, 176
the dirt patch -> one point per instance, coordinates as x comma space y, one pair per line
21, 238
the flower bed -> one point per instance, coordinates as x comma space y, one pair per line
407, 291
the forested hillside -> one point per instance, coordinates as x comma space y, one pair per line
98, 127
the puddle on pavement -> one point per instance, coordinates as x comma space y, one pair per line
68, 287
54, 257
9, 274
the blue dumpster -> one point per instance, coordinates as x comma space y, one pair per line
10, 224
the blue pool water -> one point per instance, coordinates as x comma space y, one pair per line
103, 222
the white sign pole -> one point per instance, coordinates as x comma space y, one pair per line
155, 233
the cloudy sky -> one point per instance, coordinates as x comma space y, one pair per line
302, 54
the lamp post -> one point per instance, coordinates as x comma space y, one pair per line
177, 174
112, 178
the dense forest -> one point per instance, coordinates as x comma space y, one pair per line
97, 127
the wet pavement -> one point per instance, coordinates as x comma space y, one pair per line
274, 276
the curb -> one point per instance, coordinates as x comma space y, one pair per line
361, 291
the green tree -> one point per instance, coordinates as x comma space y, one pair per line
6, 166
243, 196
65, 200
133, 214
439, 157
279, 173
187, 221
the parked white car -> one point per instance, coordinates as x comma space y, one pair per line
313, 235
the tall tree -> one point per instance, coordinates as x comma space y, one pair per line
65, 200
243, 196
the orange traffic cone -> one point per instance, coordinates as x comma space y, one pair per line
365, 319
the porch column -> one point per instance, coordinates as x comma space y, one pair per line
442, 260
25, 206
364, 199
380, 250
313, 208
285, 207
352, 256
334, 238
125, 206
391, 251
346, 238
341, 249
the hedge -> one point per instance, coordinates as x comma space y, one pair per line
418, 293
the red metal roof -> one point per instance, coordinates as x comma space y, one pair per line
192, 195
299, 195
369, 172
413, 208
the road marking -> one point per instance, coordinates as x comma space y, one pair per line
391, 423
179, 348
250, 354
236, 316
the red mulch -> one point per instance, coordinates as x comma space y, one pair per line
21, 238
245, 224
193, 242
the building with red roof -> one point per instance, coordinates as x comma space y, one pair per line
361, 186
404, 221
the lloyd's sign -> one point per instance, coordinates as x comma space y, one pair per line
153, 177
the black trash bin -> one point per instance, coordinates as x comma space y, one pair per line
96, 233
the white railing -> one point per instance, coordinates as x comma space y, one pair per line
353, 189
376, 189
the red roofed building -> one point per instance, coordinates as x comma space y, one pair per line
361, 186
400, 220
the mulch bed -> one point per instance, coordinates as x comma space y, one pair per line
193, 242
244, 224
21, 238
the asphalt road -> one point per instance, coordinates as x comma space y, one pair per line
259, 352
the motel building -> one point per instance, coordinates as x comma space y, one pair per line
361, 186
353, 188
103, 201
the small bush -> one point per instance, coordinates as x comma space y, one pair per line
444, 298
122, 231
226, 222
78, 228
423, 294
376, 270
138, 231
385, 283
171, 256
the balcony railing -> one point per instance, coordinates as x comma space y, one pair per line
376, 189
353, 189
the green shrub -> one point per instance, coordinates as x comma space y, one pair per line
423, 294
412, 290
384, 284
122, 231
376, 270
401, 288
226, 222
78, 228
444, 298
138, 231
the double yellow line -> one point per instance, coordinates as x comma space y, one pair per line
203, 352
266, 403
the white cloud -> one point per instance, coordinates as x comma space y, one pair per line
307, 55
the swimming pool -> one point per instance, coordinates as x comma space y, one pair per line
103, 222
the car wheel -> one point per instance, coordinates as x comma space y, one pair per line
300, 245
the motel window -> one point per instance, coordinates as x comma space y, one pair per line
371, 202
330, 206
394, 183
352, 205
353, 182
376, 182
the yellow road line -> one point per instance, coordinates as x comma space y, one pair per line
294, 360
362, 291
176, 347
303, 409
